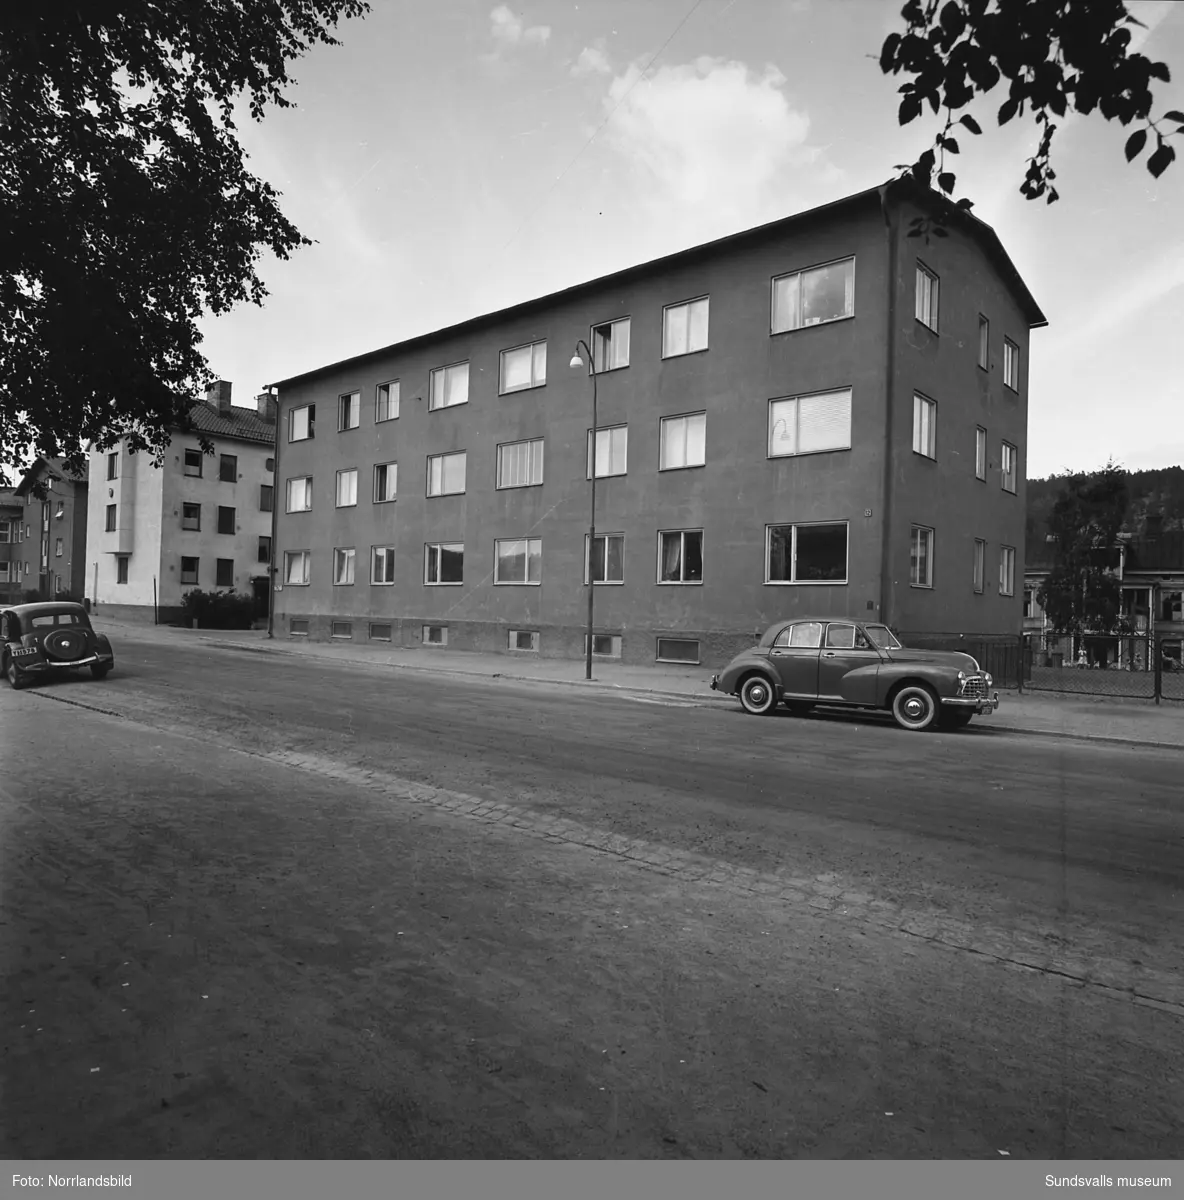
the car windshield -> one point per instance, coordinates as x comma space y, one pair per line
45, 620
882, 637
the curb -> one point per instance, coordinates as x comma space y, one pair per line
1087, 737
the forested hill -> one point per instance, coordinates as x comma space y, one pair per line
1151, 492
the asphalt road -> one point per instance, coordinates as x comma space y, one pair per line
295, 908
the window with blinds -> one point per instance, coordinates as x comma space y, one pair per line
810, 424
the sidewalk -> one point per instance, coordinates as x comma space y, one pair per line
1051, 714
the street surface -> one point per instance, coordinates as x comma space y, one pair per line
265, 906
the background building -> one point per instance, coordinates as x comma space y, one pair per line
53, 558
12, 537
822, 414
197, 521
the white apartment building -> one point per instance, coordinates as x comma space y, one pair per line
197, 521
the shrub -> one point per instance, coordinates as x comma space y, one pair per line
218, 610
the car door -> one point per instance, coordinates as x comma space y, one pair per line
794, 654
846, 649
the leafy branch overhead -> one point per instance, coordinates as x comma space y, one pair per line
1054, 56
127, 208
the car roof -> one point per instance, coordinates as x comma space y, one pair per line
44, 607
822, 620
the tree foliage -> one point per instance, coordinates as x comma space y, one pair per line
1081, 593
126, 207
1053, 56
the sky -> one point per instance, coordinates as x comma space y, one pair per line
454, 157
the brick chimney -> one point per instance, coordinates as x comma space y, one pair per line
265, 405
219, 397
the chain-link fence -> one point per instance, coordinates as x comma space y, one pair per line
998, 654
1101, 665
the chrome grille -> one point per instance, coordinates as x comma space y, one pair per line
975, 687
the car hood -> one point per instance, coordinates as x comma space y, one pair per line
945, 658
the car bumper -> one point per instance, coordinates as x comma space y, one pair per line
978, 704
49, 667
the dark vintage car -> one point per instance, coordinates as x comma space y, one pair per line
816, 660
41, 641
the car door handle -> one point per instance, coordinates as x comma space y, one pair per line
829, 654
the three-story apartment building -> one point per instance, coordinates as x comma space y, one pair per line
822, 414
53, 558
197, 521
12, 536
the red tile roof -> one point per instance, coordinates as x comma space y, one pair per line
243, 424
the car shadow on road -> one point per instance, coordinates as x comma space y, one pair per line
821, 714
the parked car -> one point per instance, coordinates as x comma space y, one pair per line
41, 641
817, 660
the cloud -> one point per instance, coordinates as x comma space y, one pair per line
714, 141
592, 61
508, 29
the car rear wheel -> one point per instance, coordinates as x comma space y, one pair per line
99, 670
757, 695
914, 707
15, 679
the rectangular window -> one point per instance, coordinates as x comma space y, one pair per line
921, 557
1006, 570
382, 564
343, 566
188, 571
1011, 364
1008, 467
984, 342
269, 464
347, 487
191, 516
522, 639
341, 629
226, 519
380, 632
449, 386
612, 447
1031, 608
193, 463
604, 645
111, 511
6, 533
610, 345
113, 465
57, 548
228, 468
980, 568
524, 367
266, 497
435, 635
520, 464
386, 482
224, 572
302, 423
924, 426
264, 552
446, 474
296, 567
806, 553
121, 561
680, 556
813, 296
349, 411
927, 290
298, 626
980, 452
678, 650
300, 494
518, 560
683, 442
810, 424
444, 562
684, 328
608, 558
386, 401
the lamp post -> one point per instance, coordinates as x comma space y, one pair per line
576, 363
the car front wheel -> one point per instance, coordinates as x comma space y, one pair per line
914, 707
15, 678
757, 696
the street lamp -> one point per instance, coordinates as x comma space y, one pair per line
575, 364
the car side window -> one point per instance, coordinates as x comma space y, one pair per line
840, 637
806, 635
4, 628
862, 641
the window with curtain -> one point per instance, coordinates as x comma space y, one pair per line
814, 296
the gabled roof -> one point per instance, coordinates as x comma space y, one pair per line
243, 424
894, 189
54, 467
